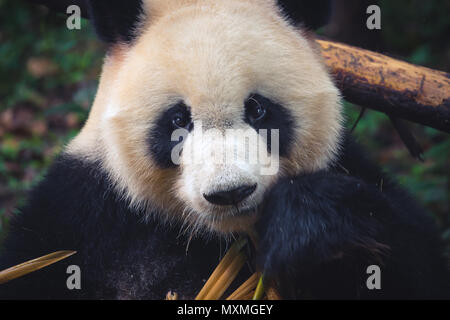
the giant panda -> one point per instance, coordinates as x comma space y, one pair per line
143, 224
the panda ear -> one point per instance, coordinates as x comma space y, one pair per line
310, 13
115, 20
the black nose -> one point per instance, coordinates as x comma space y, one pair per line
230, 197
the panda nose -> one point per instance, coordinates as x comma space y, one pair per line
230, 197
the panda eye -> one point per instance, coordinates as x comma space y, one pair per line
254, 110
182, 118
180, 121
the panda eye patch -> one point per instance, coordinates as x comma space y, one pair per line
160, 142
263, 113
254, 110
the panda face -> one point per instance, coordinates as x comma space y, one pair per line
213, 69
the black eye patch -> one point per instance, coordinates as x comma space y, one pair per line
159, 138
275, 117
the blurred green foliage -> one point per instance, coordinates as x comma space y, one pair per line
49, 74
48, 79
30, 31
419, 31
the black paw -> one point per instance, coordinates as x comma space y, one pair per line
314, 222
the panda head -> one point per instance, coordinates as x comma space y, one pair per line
186, 91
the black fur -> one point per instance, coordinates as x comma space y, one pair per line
161, 145
277, 117
115, 20
322, 230
310, 13
160, 137
120, 256
319, 232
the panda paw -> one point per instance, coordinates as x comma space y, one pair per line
315, 222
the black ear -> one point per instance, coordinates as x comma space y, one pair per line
310, 13
115, 20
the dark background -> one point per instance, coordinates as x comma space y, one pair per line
49, 76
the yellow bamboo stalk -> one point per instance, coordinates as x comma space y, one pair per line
226, 278
248, 296
33, 265
221, 267
259, 292
245, 289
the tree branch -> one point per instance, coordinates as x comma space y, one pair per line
394, 87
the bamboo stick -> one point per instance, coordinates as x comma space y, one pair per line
226, 278
248, 296
259, 292
33, 265
220, 269
245, 289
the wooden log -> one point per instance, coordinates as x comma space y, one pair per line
395, 87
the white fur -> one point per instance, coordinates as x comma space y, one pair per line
212, 55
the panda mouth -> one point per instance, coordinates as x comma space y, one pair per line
232, 213
246, 211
